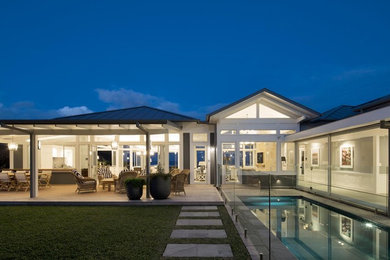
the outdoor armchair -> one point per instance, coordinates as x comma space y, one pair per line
187, 173
177, 183
84, 183
123, 176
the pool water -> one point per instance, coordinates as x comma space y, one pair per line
311, 230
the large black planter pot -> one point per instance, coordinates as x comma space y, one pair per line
134, 193
160, 187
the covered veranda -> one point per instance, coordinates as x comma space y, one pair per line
115, 140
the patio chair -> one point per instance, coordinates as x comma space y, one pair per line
22, 182
177, 183
187, 173
84, 183
5, 182
44, 179
123, 176
103, 174
174, 171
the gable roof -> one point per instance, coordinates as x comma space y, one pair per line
141, 113
263, 90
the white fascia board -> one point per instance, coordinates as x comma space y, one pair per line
365, 119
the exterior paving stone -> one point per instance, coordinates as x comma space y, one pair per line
198, 250
187, 208
199, 222
199, 214
198, 233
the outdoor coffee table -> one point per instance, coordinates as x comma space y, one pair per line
108, 182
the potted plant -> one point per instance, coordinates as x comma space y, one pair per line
134, 188
160, 184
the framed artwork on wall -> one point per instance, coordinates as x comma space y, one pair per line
346, 228
315, 157
346, 156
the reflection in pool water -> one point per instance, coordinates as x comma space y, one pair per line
314, 231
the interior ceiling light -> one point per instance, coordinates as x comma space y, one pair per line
12, 146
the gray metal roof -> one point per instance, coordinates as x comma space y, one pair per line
142, 113
336, 113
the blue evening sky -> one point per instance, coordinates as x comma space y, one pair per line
65, 57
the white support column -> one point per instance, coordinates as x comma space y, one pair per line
237, 160
278, 156
165, 151
11, 159
33, 167
77, 154
147, 165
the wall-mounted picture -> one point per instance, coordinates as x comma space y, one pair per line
346, 227
315, 157
346, 156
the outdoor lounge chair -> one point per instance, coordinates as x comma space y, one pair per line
177, 183
22, 182
123, 176
5, 182
84, 183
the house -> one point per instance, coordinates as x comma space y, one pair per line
343, 152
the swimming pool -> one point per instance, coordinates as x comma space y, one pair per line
311, 230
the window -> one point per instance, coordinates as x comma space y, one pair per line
267, 112
249, 112
288, 156
174, 137
129, 138
199, 137
287, 132
246, 155
157, 138
228, 132
104, 138
257, 132
174, 156
258, 156
228, 153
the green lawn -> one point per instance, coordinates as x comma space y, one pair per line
85, 232
100, 232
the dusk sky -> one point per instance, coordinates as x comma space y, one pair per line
68, 57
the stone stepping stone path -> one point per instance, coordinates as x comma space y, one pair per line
191, 208
198, 250
198, 233
198, 222
198, 216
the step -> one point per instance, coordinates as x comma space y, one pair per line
199, 222
199, 214
198, 233
198, 250
187, 208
